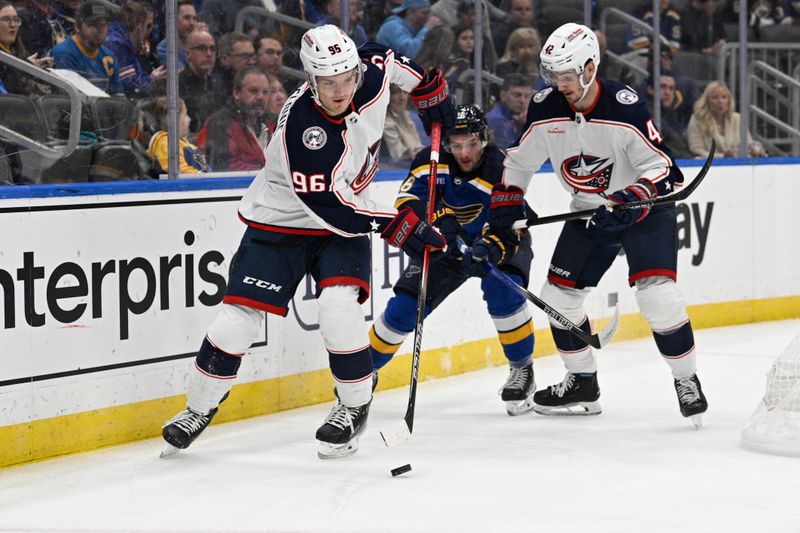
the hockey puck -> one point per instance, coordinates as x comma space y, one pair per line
401, 470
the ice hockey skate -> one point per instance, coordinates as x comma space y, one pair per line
518, 390
691, 399
577, 395
338, 435
182, 429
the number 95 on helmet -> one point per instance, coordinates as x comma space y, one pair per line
328, 51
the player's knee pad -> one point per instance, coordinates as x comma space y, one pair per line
235, 328
565, 300
661, 303
500, 299
341, 319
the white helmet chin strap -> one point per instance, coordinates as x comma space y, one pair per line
586, 86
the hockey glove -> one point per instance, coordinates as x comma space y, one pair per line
407, 232
489, 248
607, 222
444, 220
506, 206
432, 98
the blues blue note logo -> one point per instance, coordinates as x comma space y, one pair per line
587, 173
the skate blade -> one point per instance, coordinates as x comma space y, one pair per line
396, 435
697, 420
519, 407
168, 451
335, 451
573, 409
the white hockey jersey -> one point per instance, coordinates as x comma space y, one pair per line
594, 153
318, 167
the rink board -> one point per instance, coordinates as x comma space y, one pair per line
107, 291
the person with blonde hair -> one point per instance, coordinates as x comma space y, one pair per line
521, 54
714, 116
400, 134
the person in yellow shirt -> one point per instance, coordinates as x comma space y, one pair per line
191, 159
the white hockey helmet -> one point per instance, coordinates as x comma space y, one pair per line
328, 51
568, 48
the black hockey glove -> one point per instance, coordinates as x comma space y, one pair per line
489, 248
432, 98
407, 232
444, 220
606, 223
506, 206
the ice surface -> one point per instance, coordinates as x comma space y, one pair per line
639, 466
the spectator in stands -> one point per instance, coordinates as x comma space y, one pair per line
436, 50
405, 30
236, 51
356, 30
703, 27
85, 53
40, 30
671, 127
190, 159
455, 12
788, 12
147, 51
522, 54
687, 90
125, 38
187, 20
671, 27
64, 13
269, 55
200, 85
399, 133
220, 15
520, 15
714, 116
507, 118
275, 101
10, 43
234, 138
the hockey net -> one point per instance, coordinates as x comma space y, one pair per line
774, 427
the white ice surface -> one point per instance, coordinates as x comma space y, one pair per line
639, 466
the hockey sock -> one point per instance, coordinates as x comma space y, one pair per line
213, 376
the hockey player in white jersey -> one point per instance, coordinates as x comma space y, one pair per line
605, 149
308, 212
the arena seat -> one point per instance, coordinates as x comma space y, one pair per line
113, 161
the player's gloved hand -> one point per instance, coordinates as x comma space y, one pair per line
432, 98
506, 206
488, 248
444, 220
607, 222
411, 234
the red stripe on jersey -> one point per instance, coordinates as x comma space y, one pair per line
347, 280
255, 304
348, 352
653, 273
591, 107
222, 378
282, 229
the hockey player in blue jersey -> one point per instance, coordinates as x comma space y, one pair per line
605, 149
308, 212
469, 167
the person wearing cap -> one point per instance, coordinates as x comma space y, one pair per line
85, 53
405, 30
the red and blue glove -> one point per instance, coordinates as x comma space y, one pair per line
506, 206
411, 234
433, 102
607, 222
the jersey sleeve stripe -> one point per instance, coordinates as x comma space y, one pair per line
668, 162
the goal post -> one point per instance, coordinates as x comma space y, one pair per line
774, 427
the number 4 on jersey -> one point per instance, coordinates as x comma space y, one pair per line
653, 134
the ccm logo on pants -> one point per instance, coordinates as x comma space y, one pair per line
261, 284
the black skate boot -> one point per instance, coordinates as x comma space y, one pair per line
182, 429
338, 435
691, 399
518, 390
576, 395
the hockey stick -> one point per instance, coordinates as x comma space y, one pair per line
587, 213
596, 340
402, 431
